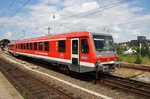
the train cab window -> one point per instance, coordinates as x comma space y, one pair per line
46, 45
84, 46
40, 46
35, 45
62, 46
30, 46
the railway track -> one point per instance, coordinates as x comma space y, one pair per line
128, 85
125, 84
30, 86
115, 82
133, 66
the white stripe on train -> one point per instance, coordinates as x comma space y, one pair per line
88, 64
56, 59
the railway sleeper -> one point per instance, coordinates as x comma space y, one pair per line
37, 88
127, 88
132, 85
39, 91
29, 85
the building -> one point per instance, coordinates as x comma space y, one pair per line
140, 40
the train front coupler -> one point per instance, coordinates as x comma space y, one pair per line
117, 65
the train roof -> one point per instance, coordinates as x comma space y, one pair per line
64, 35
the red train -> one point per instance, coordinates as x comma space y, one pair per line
77, 51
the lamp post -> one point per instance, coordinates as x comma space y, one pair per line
140, 49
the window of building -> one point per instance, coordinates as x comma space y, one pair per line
84, 46
62, 46
46, 45
40, 46
35, 45
30, 46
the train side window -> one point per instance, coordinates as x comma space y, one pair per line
62, 46
35, 45
16, 46
84, 46
46, 45
30, 46
24, 46
40, 46
21, 46
27, 46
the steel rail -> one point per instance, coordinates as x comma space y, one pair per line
16, 84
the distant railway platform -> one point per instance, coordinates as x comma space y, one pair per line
7, 91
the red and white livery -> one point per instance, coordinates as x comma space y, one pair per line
77, 51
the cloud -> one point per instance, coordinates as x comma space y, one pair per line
117, 28
49, 1
7, 35
55, 13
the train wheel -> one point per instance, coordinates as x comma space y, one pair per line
66, 69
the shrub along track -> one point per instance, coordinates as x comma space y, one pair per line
29, 86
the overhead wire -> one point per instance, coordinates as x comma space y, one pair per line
133, 21
104, 8
15, 13
97, 10
6, 9
63, 8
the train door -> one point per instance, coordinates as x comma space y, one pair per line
75, 52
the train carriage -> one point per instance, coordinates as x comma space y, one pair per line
77, 51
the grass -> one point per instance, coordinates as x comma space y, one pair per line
132, 59
145, 60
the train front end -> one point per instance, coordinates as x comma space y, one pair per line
105, 53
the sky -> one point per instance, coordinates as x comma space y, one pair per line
123, 19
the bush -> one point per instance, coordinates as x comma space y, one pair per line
138, 59
120, 57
